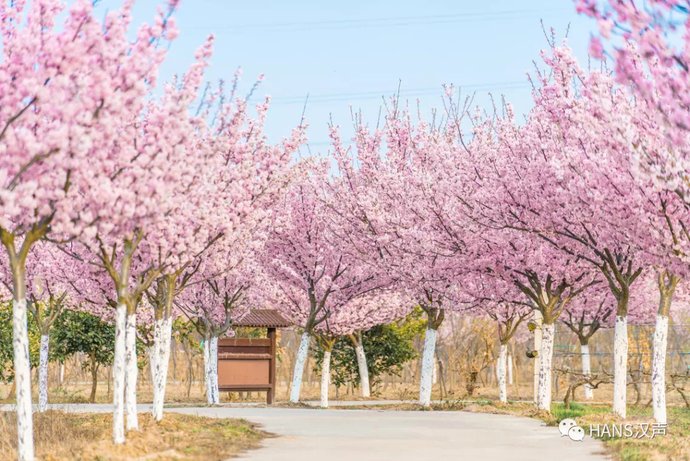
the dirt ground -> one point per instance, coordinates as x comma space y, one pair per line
176, 393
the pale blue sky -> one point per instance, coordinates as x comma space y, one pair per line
352, 53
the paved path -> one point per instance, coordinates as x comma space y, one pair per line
381, 435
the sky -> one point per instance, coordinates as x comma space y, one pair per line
349, 55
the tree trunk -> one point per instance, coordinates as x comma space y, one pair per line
190, 368
426, 378
325, 377
362, 365
659, 369
442, 374
94, 380
119, 376
162, 335
569, 393
546, 357
131, 372
302, 354
538, 320
501, 373
43, 374
61, 374
22, 377
586, 368
620, 365
211, 370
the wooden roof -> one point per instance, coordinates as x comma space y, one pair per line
263, 318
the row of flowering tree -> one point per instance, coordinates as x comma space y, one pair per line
113, 198
142, 202
554, 216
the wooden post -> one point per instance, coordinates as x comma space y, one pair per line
270, 395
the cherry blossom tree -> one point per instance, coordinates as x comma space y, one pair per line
647, 218
588, 313
48, 277
312, 272
390, 206
67, 88
49, 274
662, 286
502, 301
486, 186
212, 305
647, 46
359, 314
135, 239
424, 208
549, 291
576, 150
241, 175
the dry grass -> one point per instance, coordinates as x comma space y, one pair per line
70, 436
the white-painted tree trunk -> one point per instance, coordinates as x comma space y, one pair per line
22, 379
426, 378
151, 352
160, 358
501, 366
659, 369
302, 354
510, 369
620, 365
538, 320
207, 369
363, 368
211, 370
43, 374
214, 368
119, 376
586, 369
325, 378
546, 353
131, 372
61, 375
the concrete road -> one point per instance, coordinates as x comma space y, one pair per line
382, 435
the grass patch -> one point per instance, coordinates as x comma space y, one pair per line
577, 410
674, 445
63, 436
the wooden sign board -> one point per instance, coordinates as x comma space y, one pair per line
248, 364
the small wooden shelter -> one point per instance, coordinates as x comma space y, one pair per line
249, 364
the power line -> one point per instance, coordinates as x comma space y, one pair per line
378, 94
402, 21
